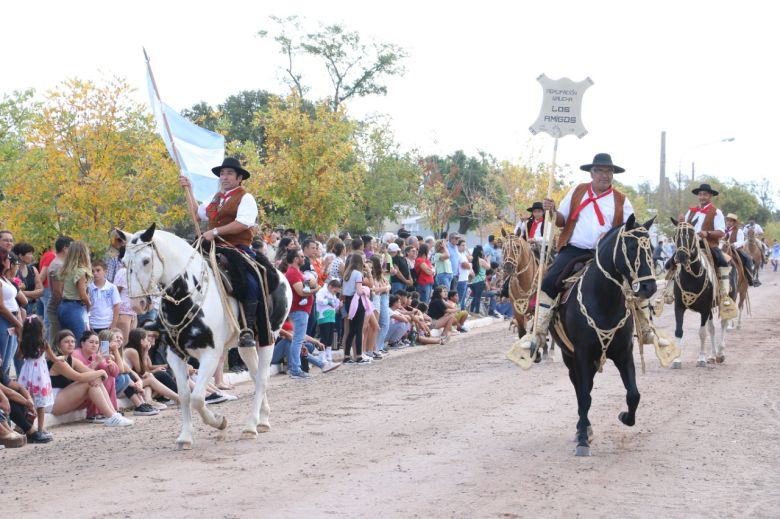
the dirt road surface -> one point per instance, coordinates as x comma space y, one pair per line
447, 431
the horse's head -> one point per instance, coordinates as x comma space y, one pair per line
629, 250
144, 267
685, 243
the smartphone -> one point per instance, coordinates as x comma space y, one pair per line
104, 348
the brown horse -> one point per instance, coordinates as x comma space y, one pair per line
755, 250
520, 270
743, 303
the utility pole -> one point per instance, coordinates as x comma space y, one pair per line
662, 176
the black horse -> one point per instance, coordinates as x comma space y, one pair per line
695, 288
623, 267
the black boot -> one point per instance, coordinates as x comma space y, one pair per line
248, 334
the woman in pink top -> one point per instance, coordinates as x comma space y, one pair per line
89, 354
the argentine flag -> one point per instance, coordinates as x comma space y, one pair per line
198, 149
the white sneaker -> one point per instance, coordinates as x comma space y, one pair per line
330, 366
158, 405
117, 421
229, 397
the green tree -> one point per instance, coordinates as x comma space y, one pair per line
355, 69
16, 115
92, 161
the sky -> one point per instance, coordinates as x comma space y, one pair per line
701, 71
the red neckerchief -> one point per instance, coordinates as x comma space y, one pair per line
702, 210
592, 198
218, 201
534, 225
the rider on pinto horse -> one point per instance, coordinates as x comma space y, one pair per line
587, 212
708, 222
231, 214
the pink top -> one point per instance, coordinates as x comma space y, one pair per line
109, 383
364, 296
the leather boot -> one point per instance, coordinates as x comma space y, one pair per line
724, 286
248, 334
647, 333
546, 308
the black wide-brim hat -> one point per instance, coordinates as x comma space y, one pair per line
704, 187
537, 205
230, 162
602, 159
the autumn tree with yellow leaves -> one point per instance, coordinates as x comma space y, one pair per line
92, 161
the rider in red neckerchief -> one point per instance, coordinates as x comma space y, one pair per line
231, 215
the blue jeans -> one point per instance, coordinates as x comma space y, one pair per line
281, 348
122, 381
492, 295
395, 286
300, 321
7, 346
71, 315
444, 279
384, 320
505, 309
43, 305
315, 360
462, 286
425, 293
476, 296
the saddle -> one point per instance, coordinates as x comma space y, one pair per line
572, 272
235, 264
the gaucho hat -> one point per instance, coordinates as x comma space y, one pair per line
230, 162
602, 159
705, 187
536, 205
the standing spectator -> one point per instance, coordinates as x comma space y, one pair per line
34, 374
368, 246
400, 279
128, 320
114, 255
424, 270
10, 319
775, 255
442, 264
336, 267
452, 249
75, 276
490, 249
659, 256
29, 276
6, 240
352, 287
479, 265
105, 298
381, 289
43, 265
313, 266
327, 302
410, 253
300, 309
281, 250
51, 319
464, 272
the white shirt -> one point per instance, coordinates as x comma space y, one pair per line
718, 225
538, 232
463, 273
103, 300
588, 230
756, 228
740, 240
246, 213
9, 297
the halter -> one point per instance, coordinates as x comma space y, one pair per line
605, 336
687, 242
513, 251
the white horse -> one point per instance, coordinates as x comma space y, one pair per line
194, 317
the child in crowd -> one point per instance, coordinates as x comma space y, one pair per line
453, 304
127, 382
327, 303
105, 298
34, 375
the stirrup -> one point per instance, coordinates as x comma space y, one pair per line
524, 350
247, 339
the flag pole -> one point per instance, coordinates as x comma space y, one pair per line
191, 202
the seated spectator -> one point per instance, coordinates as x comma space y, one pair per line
454, 306
492, 289
88, 352
75, 386
8, 437
442, 315
136, 355
127, 382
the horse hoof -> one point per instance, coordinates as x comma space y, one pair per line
700, 363
626, 419
582, 450
183, 446
720, 359
676, 364
223, 425
249, 434
263, 428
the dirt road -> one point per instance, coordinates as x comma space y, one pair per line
451, 431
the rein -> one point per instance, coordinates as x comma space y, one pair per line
605, 336
512, 256
686, 241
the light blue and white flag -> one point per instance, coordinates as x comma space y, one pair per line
198, 149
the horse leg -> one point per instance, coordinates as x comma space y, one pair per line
209, 362
702, 360
719, 353
625, 365
179, 367
258, 361
711, 332
679, 312
585, 371
570, 364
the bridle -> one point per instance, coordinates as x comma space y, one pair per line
687, 242
644, 247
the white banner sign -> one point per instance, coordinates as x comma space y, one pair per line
561, 107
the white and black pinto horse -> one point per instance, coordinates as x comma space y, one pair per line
198, 324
